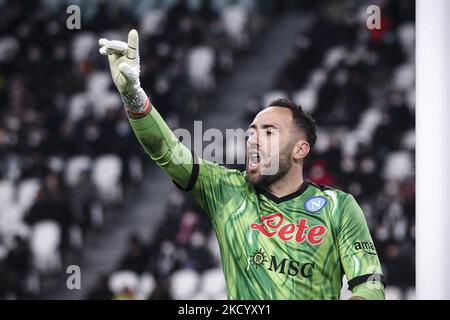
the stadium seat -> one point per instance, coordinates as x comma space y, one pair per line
6, 193
349, 144
409, 140
400, 229
56, 164
145, 286
200, 296
369, 122
235, 19
99, 94
136, 170
334, 56
307, 98
151, 22
76, 237
104, 101
98, 82
407, 36
184, 284
3, 251
213, 283
317, 78
411, 294
11, 224
97, 215
27, 193
399, 166
75, 166
45, 240
123, 279
222, 295
11, 215
78, 106
392, 293
404, 76
323, 142
106, 174
200, 68
83, 45
8, 47
269, 96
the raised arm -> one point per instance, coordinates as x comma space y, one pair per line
150, 129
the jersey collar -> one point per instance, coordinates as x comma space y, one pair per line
288, 197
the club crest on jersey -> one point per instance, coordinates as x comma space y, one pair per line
315, 204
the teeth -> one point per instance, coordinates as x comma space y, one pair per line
254, 159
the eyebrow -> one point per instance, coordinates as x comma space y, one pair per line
264, 126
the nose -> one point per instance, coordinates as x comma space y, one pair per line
253, 139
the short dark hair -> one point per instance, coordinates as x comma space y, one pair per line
303, 119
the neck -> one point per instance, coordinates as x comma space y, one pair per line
286, 185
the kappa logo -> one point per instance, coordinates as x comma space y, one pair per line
315, 204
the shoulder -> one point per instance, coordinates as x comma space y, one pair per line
328, 190
337, 197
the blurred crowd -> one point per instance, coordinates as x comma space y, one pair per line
181, 261
68, 156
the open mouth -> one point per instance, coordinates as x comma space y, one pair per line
254, 160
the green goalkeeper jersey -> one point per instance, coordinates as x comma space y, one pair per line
296, 247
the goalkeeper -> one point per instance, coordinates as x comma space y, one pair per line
280, 236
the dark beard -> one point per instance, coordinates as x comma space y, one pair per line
265, 181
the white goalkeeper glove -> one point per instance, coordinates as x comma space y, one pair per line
124, 65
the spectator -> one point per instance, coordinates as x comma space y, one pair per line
136, 256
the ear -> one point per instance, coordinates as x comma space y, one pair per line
301, 150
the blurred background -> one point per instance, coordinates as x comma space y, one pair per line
76, 188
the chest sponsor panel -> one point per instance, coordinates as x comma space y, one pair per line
276, 226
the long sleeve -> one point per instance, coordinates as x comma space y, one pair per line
163, 147
213, 186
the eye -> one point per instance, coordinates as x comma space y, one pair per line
268, 132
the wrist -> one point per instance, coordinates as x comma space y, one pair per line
139, 114
134, 99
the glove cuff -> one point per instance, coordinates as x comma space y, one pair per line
138, 115
135, 100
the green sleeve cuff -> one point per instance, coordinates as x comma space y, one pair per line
160, 143
143, 123
154, 134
